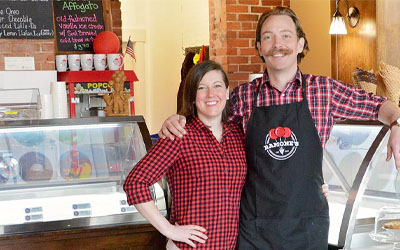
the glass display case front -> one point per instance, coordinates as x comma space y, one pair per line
362, 185
68, 173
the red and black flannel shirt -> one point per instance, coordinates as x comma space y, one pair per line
205, 179
329, 101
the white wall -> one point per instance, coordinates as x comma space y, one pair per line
161, 30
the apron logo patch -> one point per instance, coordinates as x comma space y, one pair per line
281, 143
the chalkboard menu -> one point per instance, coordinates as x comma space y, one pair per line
26, 19
77, 23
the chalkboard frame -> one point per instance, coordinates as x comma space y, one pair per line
107, 17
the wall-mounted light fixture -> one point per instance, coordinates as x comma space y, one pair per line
337, 25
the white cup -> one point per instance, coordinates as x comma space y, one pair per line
87, 62
74, 62
61, 63
58, 87
100, 61
115, 61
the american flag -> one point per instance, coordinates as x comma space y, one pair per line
129, 49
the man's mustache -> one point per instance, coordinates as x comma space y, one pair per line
282, 51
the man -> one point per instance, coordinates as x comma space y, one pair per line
287, 117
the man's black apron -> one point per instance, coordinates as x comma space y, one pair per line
282, 205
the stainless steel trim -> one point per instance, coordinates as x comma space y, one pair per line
71, 122
357, 191
79, 223
56, 191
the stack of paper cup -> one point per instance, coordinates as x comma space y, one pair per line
59, 96
47, 106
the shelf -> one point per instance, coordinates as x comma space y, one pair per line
93, 76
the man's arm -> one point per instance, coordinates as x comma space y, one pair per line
387, 114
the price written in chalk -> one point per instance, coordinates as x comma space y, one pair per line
82, 46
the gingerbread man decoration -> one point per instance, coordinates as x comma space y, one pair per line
117, 103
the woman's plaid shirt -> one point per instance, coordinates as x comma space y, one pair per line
205, 179
329, 101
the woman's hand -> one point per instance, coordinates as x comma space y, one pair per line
187, 234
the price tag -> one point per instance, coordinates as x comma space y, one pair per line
81, 206
125, 208
33, 214
82, 213
33, 210
82, 210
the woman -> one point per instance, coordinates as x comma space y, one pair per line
205, 169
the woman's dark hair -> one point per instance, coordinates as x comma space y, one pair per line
280, 10
191, 84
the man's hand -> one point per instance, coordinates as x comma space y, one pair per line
173, 126
389, 112
187, 234
393, 146
325, 189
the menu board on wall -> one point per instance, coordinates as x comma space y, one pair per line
26, 19
77, 23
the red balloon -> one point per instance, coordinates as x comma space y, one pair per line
106, 42
280, 131
272, 134
288, 132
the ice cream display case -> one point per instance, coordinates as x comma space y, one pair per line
67, 174
363, 198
